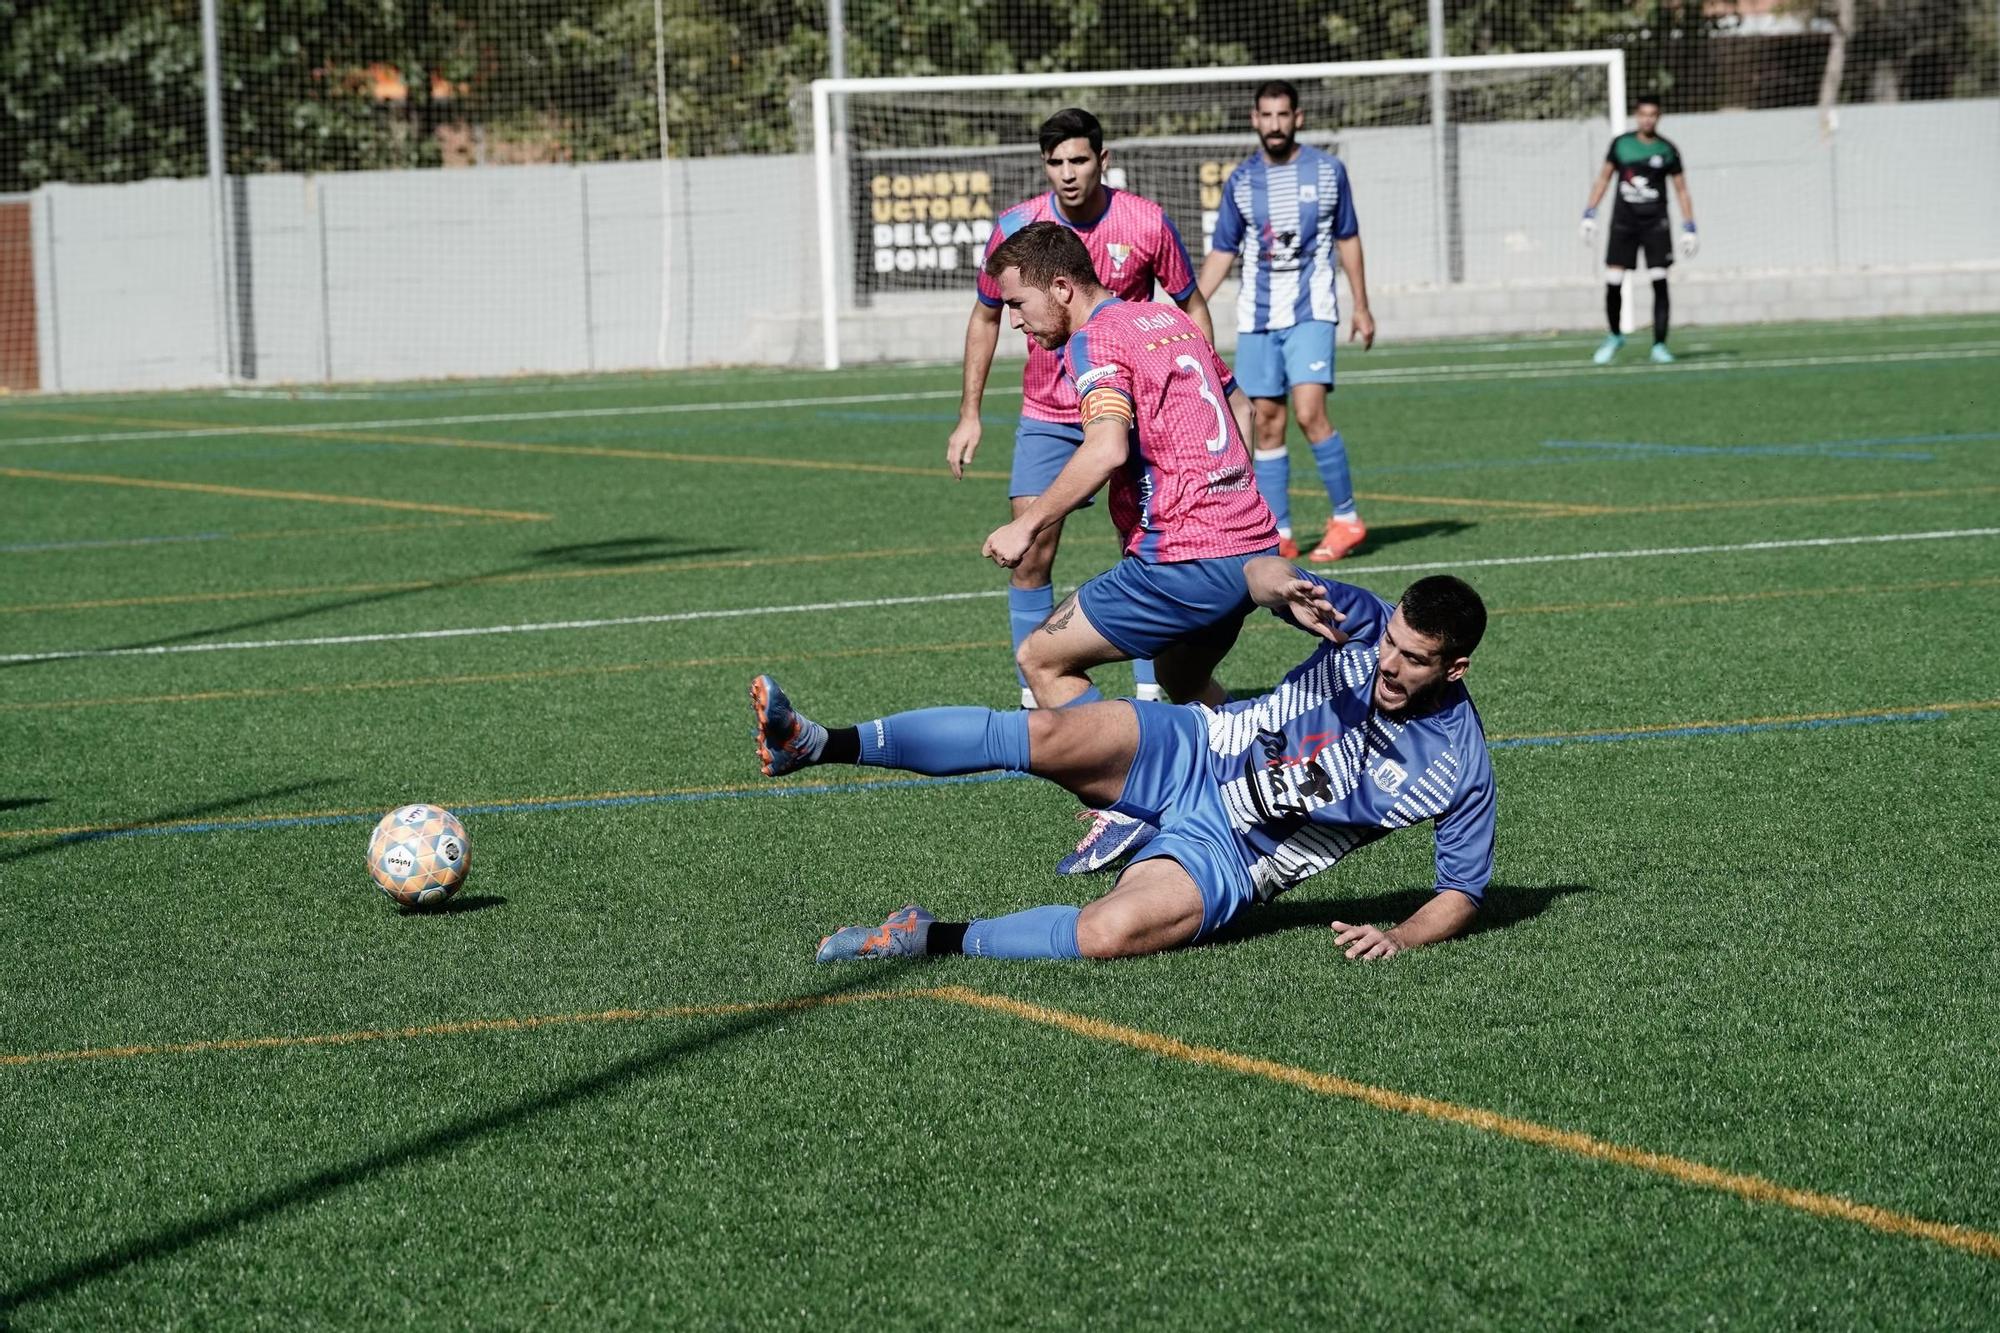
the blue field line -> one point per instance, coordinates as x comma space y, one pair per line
1717, 729
253, 825
1867, 448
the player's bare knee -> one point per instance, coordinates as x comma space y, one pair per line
1109, 929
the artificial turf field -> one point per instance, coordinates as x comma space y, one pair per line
1722, 1050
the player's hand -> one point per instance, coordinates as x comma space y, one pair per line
1690, 242
1365, 943
1309, 606
1587, 229
1008, 545
1362, 326
963, 445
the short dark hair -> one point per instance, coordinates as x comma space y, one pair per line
1446, 608
1277, 88
1072, 122
1044, 251
1647, 99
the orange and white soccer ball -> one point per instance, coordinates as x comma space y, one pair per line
419, 855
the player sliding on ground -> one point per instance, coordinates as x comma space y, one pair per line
1372, 733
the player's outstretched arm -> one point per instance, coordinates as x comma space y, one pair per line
1448, 913
1103, 451
982, 338
1277, 585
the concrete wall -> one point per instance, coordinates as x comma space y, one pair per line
398, 275
496, 270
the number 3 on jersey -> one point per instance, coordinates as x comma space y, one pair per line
1220, 440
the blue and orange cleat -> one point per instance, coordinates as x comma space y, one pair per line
903, 935
1111, 836
785, 740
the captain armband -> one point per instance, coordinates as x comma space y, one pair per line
1106, 402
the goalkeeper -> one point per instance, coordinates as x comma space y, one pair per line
1643, 162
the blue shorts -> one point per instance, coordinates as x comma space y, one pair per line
1170, 785
1268, 364
1142, 607
1041, 450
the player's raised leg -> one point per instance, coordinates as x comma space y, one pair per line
1056, 659
1086, 750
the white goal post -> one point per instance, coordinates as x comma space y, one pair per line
827, 151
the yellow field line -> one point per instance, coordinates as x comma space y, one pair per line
268, 534
1753, 1189
466, 1028
1536, 508
1731, 598
1769, 502
259, 493
1750, 1188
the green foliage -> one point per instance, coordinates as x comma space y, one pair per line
111, 90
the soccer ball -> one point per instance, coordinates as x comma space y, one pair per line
419, 855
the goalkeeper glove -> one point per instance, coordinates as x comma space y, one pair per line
1690, 242
1588, 230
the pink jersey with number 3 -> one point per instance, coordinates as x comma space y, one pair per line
1186, 491
1132, 243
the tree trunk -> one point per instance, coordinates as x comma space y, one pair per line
1836, 65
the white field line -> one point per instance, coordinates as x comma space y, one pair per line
928, 599
1429, 374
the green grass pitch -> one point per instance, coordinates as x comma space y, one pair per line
1742, 681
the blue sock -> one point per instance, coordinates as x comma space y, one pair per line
1331, 455
1142, 671
946, 741
1274, 480
1027, 608
1039, 932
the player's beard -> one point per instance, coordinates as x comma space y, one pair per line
1280, 144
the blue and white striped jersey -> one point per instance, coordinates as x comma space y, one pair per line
1293, 214
1313, 770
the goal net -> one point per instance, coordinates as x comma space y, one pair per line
1464, 170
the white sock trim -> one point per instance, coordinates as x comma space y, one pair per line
1267, 455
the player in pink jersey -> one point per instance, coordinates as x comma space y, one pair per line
1164, 424
1132, 244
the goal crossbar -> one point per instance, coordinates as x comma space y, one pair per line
824, 91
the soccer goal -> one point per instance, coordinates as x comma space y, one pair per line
1465, 168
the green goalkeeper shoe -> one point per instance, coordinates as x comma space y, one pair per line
1607, 349
1661, 356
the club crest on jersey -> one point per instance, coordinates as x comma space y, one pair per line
1389, 776
1656, 161
1119, 252
1309, 194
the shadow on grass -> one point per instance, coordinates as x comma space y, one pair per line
22, 802
1506, 905
626, 551
1391, 534
438, 1143
174, 815
474, 902
612, 551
